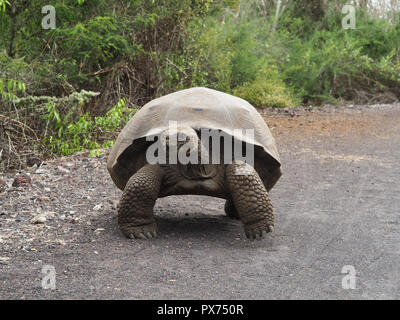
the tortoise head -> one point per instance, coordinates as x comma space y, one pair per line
181, 145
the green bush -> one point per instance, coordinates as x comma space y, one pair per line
86, 132
267, 90
332, 66
234, 55
264, 92
317, 60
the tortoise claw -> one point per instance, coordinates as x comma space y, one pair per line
258, 231
154, 233
140, 232
148, 235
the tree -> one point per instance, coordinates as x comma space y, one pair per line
13, 8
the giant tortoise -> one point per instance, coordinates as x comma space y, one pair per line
244, 184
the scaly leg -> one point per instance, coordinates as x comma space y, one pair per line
250, 199
135, 214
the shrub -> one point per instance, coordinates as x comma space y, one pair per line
267, 90
86, 132
332, 66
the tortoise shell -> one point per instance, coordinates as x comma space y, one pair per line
196, 108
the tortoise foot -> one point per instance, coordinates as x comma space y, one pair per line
147, 231
258, 230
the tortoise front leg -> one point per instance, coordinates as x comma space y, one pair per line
135, 213
250, 199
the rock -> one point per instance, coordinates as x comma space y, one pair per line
97, 207
74, 220
40, 171
3, 185
32, 161
38, 184
62, 169
98, 230
21, 180
39, 219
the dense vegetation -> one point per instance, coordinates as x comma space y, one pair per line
70, 88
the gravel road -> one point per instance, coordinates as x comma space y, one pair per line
337, 210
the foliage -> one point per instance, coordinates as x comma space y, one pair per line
129, 49
333, 63
8, 88
142, 49
267, 89
132, 51
85, 132
234, 59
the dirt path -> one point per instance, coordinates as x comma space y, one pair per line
337, 204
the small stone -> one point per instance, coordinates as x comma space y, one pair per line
21, 180
40, 171
74, 220
98, 230
39, 219
115, 205
97, 207
61, 242
3, 185
62, 169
